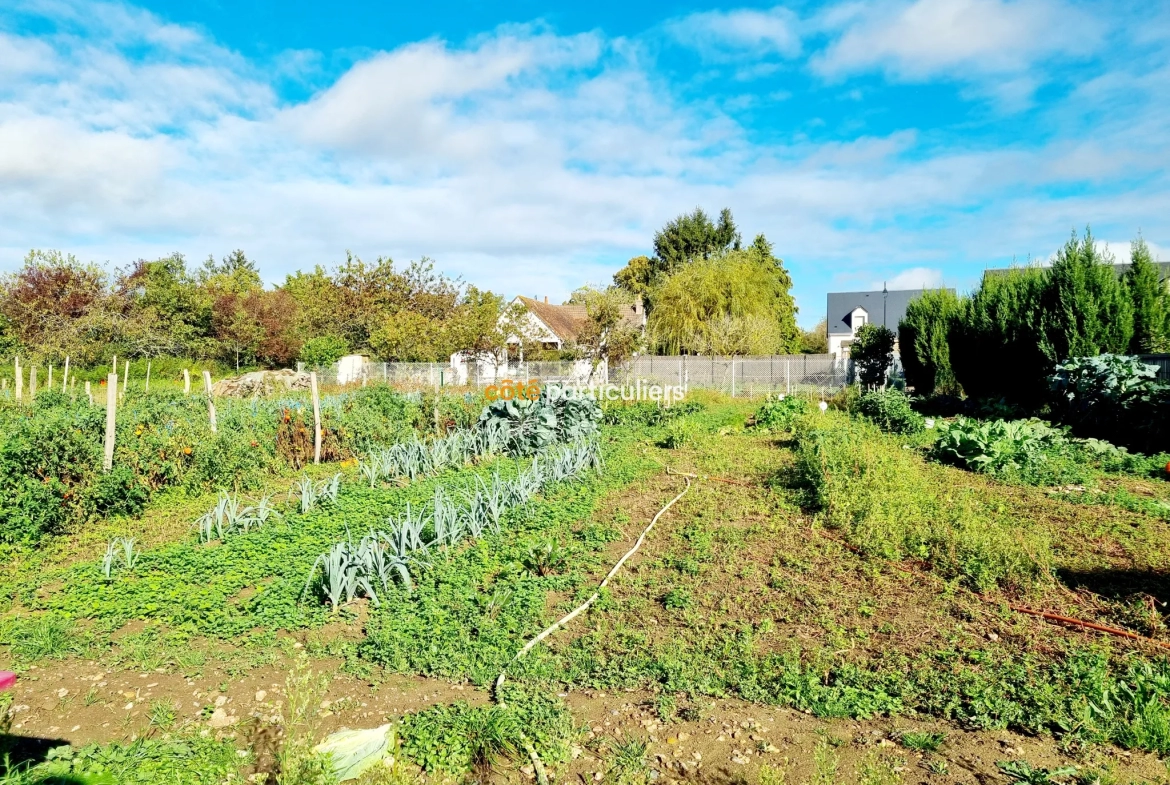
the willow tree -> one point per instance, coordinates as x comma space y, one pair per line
735, 302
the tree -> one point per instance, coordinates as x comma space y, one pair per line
47, 302
606, 335
636, 276
1151, 302
688, 238
236, 274
994, 343
167, 310
236, 327
816, 340
923, 335
696, 306
1085, 310
872, 352
276, 314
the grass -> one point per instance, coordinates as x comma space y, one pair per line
836, 572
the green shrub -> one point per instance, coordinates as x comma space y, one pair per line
49, 454
118, 492
887, 503
890, 410
872, 352
645, 412
322, 351
780, 413
923, 337
680, 433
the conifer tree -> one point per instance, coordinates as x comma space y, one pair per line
1151, 302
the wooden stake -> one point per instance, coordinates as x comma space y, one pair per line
316, 417
65, 379
32, 383
19, 381
210, 400
111, 419
147, 377
186, 382
114, 365
49, 383
126, 378
88, 393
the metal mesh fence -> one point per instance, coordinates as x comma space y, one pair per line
745, 375
732, 375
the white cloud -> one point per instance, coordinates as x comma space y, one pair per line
913, 278
963, 38
522, 160
724, 35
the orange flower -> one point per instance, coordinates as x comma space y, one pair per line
186, 451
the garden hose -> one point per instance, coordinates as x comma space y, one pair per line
538, 766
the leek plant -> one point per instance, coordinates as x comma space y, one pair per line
348, 570
120, 549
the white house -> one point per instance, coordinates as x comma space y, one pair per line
848, 311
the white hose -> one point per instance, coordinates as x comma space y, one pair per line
593, 597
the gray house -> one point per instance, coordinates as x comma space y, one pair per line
847, 311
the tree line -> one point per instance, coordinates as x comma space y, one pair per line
56, 307
704, 292
1005, 339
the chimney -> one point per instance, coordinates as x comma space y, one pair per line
546, 299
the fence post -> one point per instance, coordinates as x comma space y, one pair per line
125, 378
147, 376
788, 376
65, 379
111, 420
733, 377
316, 417
49, 382
186, 382
210, 401
88, 393
19, 379
32, 383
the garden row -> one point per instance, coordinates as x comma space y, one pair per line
51, 474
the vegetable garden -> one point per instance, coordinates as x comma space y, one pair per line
851, 595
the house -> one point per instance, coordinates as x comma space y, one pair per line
556, 327
848, 311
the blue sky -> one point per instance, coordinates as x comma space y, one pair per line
532, 147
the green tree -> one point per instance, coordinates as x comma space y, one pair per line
872, 352
995, 338
816, 340
607, 335
688, 238
636, 276
923, 341
1151, 302
705, 304
1085, 309
167, 310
